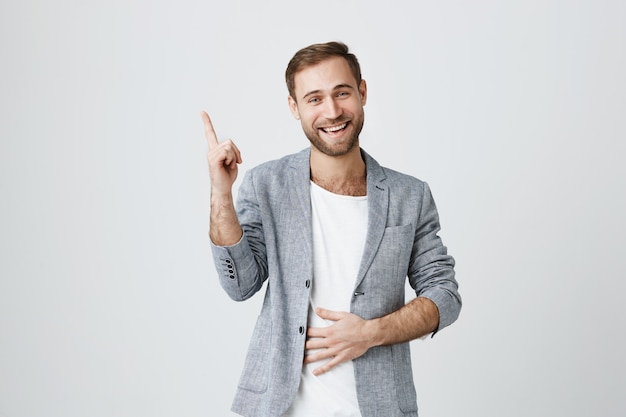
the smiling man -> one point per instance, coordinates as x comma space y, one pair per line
336, 236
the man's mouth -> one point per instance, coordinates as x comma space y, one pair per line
334, 129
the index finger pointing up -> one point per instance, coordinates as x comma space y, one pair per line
209, 132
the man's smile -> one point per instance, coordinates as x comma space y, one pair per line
333, 129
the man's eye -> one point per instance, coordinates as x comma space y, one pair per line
314, 100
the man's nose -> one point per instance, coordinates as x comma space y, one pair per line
332, 109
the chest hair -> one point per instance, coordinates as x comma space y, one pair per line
355, 186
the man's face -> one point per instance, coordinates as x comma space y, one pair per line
329, 105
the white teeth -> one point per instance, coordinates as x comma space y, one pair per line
335, 128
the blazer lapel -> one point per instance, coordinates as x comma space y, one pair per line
378, 205
299, 192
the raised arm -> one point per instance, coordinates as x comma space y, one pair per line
223, 158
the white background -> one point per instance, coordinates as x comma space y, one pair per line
513, 111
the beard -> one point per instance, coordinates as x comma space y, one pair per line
338, 149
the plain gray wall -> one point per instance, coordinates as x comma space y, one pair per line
513, 111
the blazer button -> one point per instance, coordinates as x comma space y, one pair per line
301, 329
307, 283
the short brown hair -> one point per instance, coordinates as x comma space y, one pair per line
316, 53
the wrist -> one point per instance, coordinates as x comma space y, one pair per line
220, 195
374, 332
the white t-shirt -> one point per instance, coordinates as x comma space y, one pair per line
339, 231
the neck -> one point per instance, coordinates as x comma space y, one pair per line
345, 174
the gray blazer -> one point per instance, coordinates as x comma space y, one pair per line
274, 209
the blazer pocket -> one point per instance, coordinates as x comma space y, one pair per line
395, 248
255, 372
385, 280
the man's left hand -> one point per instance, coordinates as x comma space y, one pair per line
343, 341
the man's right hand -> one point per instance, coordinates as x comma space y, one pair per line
223, 160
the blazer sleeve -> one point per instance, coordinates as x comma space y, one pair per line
242, 267
431, 270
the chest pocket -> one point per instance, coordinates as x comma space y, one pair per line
385, 279
395, 249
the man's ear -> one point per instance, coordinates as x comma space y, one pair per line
363, 92
293, 106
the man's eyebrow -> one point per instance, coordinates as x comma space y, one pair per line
337, 87
340, 86
310, 93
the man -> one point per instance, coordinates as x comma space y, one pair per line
335, 235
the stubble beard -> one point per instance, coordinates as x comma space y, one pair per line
338, 149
